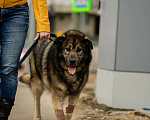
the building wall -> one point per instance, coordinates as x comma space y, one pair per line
62, 22
63, 19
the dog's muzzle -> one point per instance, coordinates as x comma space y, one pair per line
72, 61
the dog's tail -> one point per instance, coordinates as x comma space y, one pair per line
25, 79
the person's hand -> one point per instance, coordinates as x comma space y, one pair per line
42, 35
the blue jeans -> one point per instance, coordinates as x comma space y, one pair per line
14, 22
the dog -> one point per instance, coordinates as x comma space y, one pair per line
61, 67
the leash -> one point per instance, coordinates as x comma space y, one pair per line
27, 54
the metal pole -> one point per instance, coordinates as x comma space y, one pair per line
75, 21
82, 22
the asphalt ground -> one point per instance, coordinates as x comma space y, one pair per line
24, 108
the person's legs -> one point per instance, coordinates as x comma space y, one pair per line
13, 30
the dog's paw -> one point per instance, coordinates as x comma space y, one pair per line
68, 116
37, 119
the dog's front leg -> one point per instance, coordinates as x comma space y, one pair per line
58, 101
72, 101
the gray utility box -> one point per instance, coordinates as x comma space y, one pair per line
124, 41
123, 79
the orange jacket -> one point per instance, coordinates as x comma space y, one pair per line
40, 12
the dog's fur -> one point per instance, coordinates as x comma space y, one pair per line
61, 67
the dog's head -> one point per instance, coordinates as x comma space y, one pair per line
74, 51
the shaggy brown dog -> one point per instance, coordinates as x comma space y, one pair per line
61, 67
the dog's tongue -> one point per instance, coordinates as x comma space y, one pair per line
71, 70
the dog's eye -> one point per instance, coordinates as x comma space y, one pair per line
68, 49
79, 50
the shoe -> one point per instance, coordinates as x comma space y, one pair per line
5, 108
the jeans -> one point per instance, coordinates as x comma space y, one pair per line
14, 22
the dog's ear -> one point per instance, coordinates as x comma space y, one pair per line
60, 39
88, 42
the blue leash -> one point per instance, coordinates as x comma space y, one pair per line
27, 54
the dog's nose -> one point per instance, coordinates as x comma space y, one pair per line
72, 61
